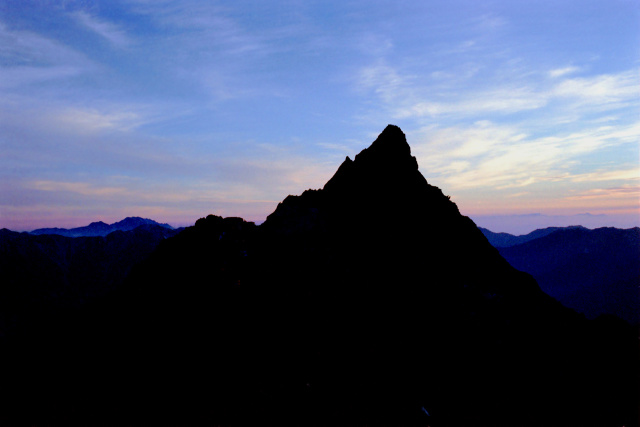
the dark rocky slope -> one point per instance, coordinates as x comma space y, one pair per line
592, 271
52, 273
369, 302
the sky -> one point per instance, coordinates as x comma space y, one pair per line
525, 112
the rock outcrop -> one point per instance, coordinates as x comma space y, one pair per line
370, 301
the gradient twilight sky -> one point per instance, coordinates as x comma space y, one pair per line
526, 112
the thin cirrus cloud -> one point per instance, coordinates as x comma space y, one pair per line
625, 174
622, 200
187, 108
202, 45
81, 188
107, 30
207, 30
499, 156
559, 72
624, 192
235, 187
28, 58
128, 179
21, 47
91, 121
545, 129
404, 97
600, 92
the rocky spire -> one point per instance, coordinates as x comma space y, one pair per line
387, 159
391, 142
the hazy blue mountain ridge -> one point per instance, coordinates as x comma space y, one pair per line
100, 228
592, 271
501, 240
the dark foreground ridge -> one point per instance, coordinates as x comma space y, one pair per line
372, 301
595, 272
51, 273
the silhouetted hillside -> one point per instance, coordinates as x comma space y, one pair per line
503, 240
49, 273
371, 301
100, 228
593, 271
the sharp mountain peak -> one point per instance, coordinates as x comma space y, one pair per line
370, 301
387, 162
391, 141
390, 147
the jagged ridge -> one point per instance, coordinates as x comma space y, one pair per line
360, 303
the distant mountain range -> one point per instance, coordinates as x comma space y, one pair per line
100, 228
371, 301
503, 240
47, 273
524, 223
592, 271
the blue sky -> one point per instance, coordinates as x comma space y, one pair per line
173, 110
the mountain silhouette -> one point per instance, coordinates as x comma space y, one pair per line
49, 273
504, 240
371, 301
100, 228
592, 271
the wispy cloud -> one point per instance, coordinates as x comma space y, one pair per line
206, 45
489, 22
502, 157
27, 58
406, 96
194, 106
248, 186
15, 77
203, 25
91, 120
373, 44
628, 193
616, 175
107, 30
559, 72
383, 80
600, 91
82, 188
499, 100
19, 47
